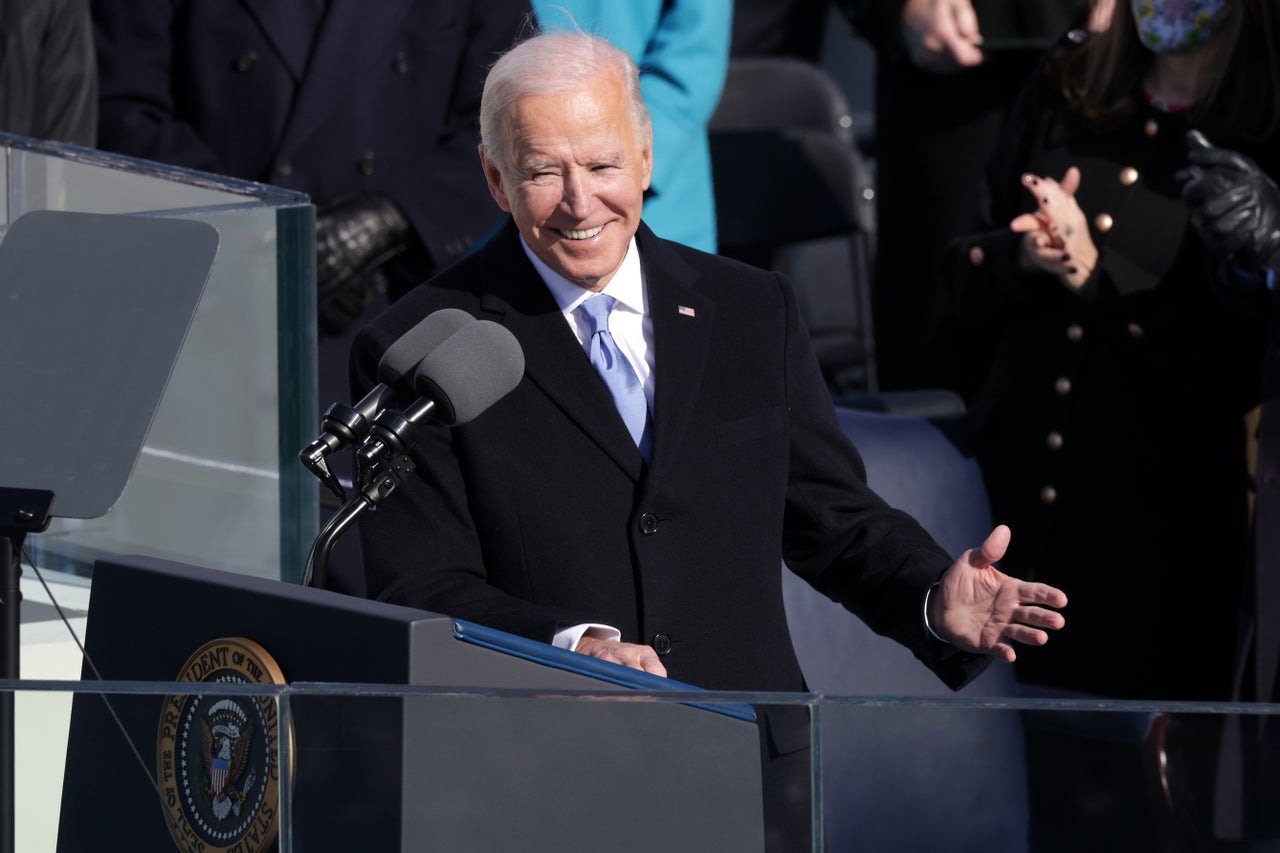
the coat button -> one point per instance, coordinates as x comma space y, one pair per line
1062, 386
1103, 222
1151, 128
244, 62
1128, 176
400, 62
284, 168
1135, 331
648, 524
1053, 440
976, 255
1075, 332
1048, 494
661, 644
368, 164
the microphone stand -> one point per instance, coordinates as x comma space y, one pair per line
22, 511
343, 426
383, 462
375, 485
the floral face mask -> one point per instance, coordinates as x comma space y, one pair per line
1176, 26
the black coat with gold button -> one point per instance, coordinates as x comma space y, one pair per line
1110, 422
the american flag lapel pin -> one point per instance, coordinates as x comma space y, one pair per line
686, 310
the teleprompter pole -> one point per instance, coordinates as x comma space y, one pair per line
21, 511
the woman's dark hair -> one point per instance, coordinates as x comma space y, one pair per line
1102, 77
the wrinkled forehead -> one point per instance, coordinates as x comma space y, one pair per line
587, 124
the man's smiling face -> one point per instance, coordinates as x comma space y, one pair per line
576, 179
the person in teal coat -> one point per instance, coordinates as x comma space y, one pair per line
682, 48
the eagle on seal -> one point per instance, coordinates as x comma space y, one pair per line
227, 735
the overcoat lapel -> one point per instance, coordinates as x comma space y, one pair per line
683, 321
553, 358
352, 37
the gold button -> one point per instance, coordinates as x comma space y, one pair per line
1053, 440
1062, 385
1048, 494
1103, 222
1128, 176
1151, 128
976, 255
1075, 332
1136, 331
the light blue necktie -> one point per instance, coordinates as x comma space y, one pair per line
618, 375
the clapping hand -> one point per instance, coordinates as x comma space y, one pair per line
941, 35
1055, 237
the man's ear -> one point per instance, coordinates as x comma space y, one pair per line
647, 158
493, 177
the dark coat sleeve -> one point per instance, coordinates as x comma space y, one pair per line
843, 539
48, 72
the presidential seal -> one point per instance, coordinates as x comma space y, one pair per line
216, 756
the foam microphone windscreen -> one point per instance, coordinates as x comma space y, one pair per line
477, 366
403, 356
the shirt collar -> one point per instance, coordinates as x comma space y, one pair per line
626, 286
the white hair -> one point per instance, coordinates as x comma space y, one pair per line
553, 63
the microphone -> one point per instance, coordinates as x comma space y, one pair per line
477, 366
474, 368
345, 426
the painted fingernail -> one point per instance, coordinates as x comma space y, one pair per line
1044, 199
1071, 270
1066, 258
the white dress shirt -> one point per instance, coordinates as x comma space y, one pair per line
629, 322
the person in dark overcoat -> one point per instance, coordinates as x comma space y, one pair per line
1236, 206
368, 108
543, 517
1110, 418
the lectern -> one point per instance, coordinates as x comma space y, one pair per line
492, 753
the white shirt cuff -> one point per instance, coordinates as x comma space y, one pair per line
567, 638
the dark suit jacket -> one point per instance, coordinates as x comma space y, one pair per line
385, 101
540, 513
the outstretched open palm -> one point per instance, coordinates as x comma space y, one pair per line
980, 609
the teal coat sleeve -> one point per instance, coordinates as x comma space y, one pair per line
682, 48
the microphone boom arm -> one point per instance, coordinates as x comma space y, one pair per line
375, 485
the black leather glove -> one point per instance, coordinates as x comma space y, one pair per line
1237, 204
355, 235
